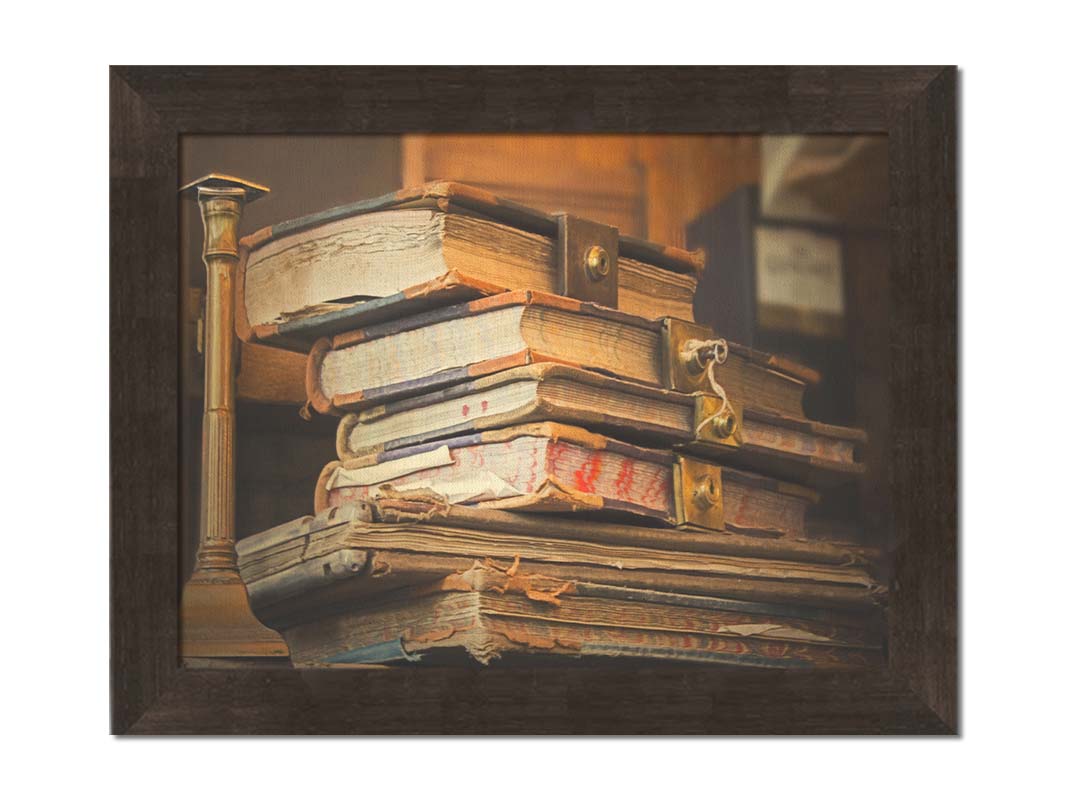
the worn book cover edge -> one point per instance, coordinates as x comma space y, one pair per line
461, 196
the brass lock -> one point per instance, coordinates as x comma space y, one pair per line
685, 355
706, 493
597, 263
698, 494
725, 426
711, 426
588, 256
694, 357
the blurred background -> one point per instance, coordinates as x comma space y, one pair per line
794, 229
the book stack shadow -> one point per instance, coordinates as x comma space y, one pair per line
540, 456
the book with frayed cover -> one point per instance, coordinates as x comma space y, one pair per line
774, 444
425, 247
549, 467
387, 581
435, 349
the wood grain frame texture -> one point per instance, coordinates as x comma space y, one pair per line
151, 107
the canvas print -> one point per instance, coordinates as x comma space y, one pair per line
557, 399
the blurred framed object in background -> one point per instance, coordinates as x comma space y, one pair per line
812, 273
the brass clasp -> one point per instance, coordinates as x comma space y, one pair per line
709, 425
698, 496
588, 261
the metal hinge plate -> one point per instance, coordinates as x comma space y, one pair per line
698, 494
588, 261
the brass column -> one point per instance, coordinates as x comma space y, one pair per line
216, 619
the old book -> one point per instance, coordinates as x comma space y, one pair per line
549, 467
349, 554
419, 248
789, 447
492, 610
428, 351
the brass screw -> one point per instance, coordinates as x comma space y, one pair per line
724, 426
596, 262
706, 493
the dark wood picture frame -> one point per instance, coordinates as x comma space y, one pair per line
152, 106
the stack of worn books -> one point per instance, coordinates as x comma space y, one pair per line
539, 454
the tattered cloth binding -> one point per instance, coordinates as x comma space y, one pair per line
549, 467
486, 614
386, 581
438, 348
774, 444
425, 247
397, 542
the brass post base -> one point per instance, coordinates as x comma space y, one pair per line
216, 620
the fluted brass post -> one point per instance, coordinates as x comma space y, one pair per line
216, 619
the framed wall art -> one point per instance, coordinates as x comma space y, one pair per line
531, 400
